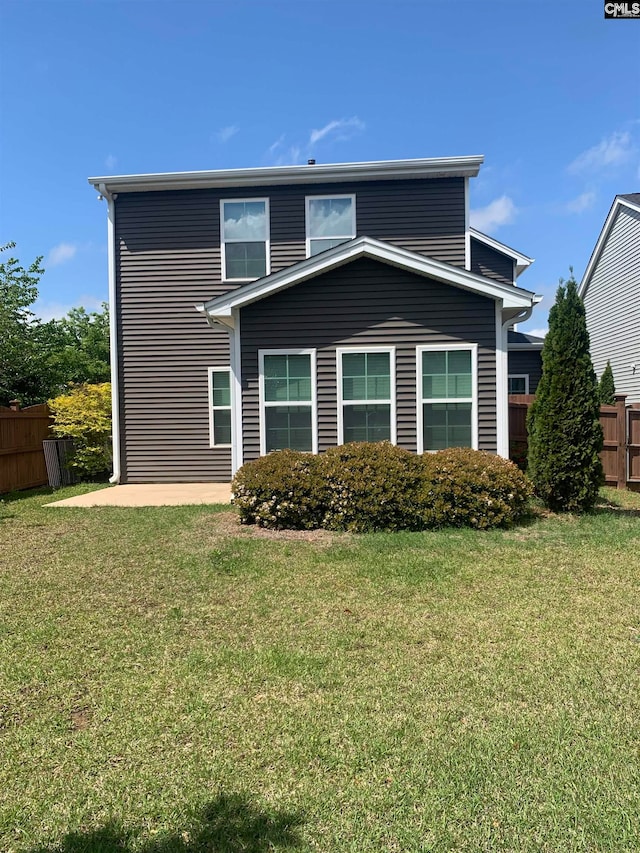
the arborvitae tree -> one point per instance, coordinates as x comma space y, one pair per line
565, 436
607, 387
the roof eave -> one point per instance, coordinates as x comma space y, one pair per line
432, 167
618, 202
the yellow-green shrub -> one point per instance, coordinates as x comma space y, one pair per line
84, 415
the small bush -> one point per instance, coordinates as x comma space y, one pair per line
284, 490
84, 415
371, 486
472, 488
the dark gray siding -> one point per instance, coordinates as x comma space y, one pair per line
368, 303
490, 263
527, 361
167, 261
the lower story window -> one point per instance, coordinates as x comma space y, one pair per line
366, 395
287, 400
220, 406
519, 384
447, 395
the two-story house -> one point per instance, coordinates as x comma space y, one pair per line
303, 307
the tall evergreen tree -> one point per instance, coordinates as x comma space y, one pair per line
565, 436
607, 387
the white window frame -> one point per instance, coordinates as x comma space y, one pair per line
340, 351
223, 241
313, 403
213, 409
307, 202
524, 376
473, 348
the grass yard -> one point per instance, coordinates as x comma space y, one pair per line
170, 682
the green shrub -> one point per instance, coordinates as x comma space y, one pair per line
607, 387
84, 415
371, 486
284, 490
472, 488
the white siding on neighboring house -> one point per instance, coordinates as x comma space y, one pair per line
612, 302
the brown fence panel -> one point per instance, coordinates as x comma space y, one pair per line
633, 445
610, 448
22, 432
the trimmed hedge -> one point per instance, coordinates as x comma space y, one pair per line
377, 486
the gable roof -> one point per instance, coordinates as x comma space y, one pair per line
221, 308
521, 261
378, 170
631, 201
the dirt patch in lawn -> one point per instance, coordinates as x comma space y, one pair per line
228, 524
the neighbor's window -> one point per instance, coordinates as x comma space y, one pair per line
245, 238
519, 384
287, 416
447, 397
367, 395
220, 406
331, 220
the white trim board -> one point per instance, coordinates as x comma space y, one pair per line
522, 261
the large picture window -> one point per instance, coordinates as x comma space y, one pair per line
288, 400
244, 238
366, 394
447, 397
220, 406
331, 220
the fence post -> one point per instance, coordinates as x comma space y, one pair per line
14, 405
621, 437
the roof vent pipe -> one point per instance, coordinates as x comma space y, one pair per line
311, 162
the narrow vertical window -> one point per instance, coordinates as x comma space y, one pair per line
244, 238
447, 397
220, 406
287, 417
366, 385
331, 220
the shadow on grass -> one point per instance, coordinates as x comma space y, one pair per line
228, 824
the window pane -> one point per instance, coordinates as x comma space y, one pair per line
245, 220
330, 217
288, 427
517, 385
370, 422
446, 425
222, 426
245, 260
287, 378
366, 376
446, 374
317, 246
221, 388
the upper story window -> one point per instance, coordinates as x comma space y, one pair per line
244, 238
331, 220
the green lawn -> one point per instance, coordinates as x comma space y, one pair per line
169, 682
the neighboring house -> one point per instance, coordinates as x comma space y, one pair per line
525, 362
303, 307
610, 289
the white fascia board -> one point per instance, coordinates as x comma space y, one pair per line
431, 167
522, 261
525, 347
606, 228
511, 297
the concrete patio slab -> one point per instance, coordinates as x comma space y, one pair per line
153, 494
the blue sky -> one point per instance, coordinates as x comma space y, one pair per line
549, 92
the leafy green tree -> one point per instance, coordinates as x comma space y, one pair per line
607, 387
81, 352
565, 436
24, 374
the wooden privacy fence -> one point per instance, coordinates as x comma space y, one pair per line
22, 431
621, 430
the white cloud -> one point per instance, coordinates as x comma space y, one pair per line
581, 203
501, 211
60, 254
111, 162
611, 151
225, 133
275, 145
341, 129
57, 310
290, 157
